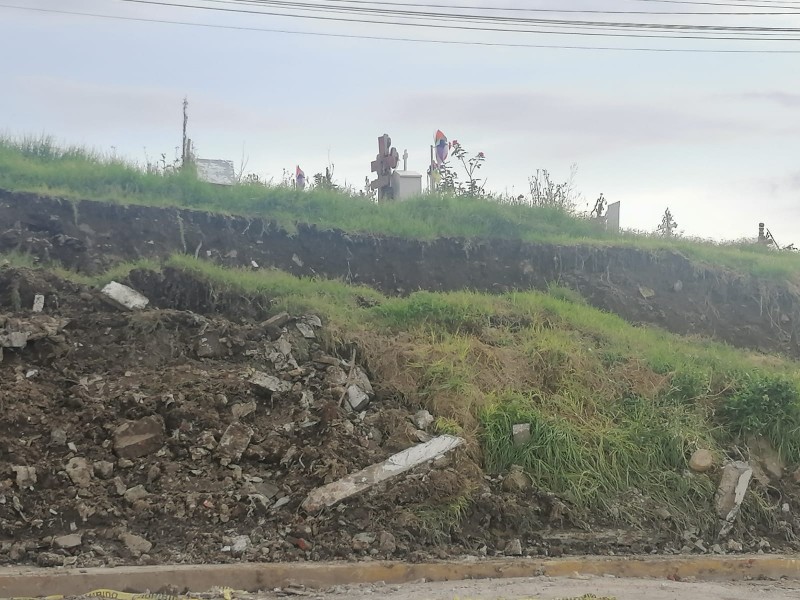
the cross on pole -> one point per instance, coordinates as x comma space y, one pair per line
383, 164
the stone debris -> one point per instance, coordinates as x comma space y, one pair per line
395, 465
243, 409
363, 541
25, 476
513, 548
762, 453
38, 303
270, 382
521, 434
136, 493
387, 543
732, 488
104, 469
72, 540
422, 419
357, 399
124, 297
306, 330
517, 480
135, 439
701, 461
79, 471
136, 544
646, 292
234, 441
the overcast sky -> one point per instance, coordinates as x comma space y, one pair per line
716, 137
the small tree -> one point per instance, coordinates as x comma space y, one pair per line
471, 164
668, 225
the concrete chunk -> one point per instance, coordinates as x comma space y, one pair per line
38, 303
395, 465
270, 382
234, 441
72, 540
357, 399
124, 297
732, 488
26, 476
136, 439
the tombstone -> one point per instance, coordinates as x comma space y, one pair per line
612, 218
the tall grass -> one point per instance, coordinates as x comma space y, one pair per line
39, 165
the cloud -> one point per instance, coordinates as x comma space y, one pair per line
788, 99
587, 121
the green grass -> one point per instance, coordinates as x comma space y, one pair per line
40, 166
615, 410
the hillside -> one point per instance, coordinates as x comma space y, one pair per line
195, 428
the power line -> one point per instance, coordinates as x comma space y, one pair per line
404, 39
513, 9
784, 3
670, 35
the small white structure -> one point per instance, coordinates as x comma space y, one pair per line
406, 184
218, 172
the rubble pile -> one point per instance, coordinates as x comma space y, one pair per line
132, 434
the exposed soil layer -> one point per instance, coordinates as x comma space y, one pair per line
662, 288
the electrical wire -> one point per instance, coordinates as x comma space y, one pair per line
405, 39
427, 25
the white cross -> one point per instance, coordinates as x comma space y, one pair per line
405, 160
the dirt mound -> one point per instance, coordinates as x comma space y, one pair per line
166, 435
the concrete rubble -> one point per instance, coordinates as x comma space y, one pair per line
731, 491
521, 434
135, 439
124, 297
395, 465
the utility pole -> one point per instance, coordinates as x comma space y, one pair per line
185, 153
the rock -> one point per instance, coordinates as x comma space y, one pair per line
701, 461
388, 544
49, 559
135, 493
104, 469
270, 382
357, 399
14, 339
58, 437
240, 545
135, 439
359, 377
72, 540
124, 297
38, 303
517, 480
79, 471
646, 292
119, 486
766, 456
734, 546
422, 436
210, 346
306, 330
422, 419
521, 434
362, 541
26, 476
243, 409
513, 548
136, 544
733, 485
234, 441
678, 286
717, 549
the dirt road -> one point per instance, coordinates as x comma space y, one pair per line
547, 588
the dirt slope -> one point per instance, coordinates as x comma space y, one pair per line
665, 289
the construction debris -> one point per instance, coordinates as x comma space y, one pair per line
395, 465
733, 485
124, 297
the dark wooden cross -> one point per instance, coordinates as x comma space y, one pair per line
387, 159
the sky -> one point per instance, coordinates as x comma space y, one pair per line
713, 136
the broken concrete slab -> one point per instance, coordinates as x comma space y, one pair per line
732, 488
234, 441
278, 320
306, 330
124, 297
136, 544
357, 399
395, 465
38, 303
72, 540
243, 409
270, 382
521, 434
135, 439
